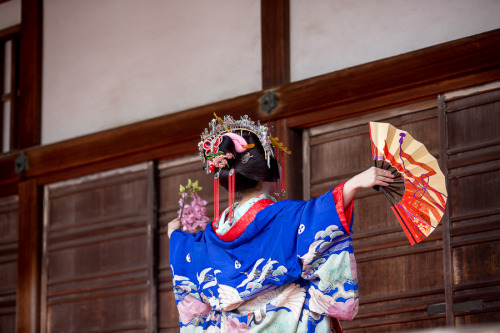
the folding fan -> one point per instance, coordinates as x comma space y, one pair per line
418, 194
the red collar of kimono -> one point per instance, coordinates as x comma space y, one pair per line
240, 226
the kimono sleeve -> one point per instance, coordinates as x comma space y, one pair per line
324, 246
189, 302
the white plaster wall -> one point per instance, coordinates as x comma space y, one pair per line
328, 35
108, 63
10, 13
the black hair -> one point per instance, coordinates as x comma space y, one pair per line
248, 171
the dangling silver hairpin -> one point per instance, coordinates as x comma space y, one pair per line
246, 157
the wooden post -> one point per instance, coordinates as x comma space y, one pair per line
275, 31
29, 257
153, 247
27, 119
445, 221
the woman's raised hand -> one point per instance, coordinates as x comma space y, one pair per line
173, 225
366, 179
372, 177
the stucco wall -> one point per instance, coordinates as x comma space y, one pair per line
328, 35
114, 62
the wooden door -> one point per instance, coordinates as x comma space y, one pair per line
97, 260
8, 263
397, 281
471, 138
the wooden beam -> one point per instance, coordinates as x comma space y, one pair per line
8, 177
27, 119
29, 256
275, 39
164, 137
8, 32
382, 84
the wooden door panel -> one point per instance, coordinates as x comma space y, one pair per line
368, 223
8, 262
96, 259
117, 310
470, 267
398, 275
97, 270
92, 202
393, 290
471, 125
337, 159
475, 194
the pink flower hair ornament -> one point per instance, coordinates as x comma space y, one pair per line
220, 161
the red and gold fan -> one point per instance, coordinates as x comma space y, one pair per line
418, 194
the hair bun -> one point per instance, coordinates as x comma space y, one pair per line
249, 171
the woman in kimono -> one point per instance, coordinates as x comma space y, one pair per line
265, 266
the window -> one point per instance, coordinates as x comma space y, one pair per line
9, 55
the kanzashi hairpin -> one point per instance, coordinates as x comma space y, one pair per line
212, 136
246, 157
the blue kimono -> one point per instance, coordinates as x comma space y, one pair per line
288, 269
